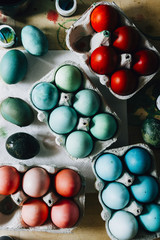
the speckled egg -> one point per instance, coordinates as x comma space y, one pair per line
13, 66
103, 126
68, 78
79, 144
86, 102
34, 40
44, 96
17, 111
63, 119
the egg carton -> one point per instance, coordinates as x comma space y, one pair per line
127, 179
10, 205
83, 122
82, 31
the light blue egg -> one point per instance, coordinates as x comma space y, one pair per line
34, 40
144, 189
108, 167
86, 102
123, 225
115, 195
44, 96
63, 120
138, 160
150, 217
79, 144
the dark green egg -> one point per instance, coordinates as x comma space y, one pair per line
22, 146
17, 111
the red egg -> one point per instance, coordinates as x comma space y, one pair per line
67, 183
34, 212
9, 180
65, 213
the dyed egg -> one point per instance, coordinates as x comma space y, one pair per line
44, 96
7, 36
10, 180
79, 144
6, 238
103, 126
41, 180
68, 78
65, 213
86, 102
138, 160
17, 111
34, 212
13, 66
67, 183
123, 225
150, 217
145, 189
63, 119
108, 167
34, 40
115, 195
22, 145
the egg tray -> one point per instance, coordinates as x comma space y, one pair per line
127, 179
81, 30
10, 205
65, 100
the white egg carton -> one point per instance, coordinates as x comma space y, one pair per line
65, 99
13, 221
81, 30
127, 179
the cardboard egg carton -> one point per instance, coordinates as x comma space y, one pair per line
82, 34
127, 179
10, 205
83, 122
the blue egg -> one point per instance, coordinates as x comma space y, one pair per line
108, 167
123, 225
44, 96
34, 40
138, 160
150, 217
144, 189
115, 195
63, 119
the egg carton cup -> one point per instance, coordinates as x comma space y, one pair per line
127, 179
83, 122
13, 220
81, 30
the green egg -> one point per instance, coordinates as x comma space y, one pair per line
17, 111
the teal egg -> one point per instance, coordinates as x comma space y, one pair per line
63, 119
86, 102
79, 144
103, 126
17, 111
34, 40
44, 96
13, 66
68, 78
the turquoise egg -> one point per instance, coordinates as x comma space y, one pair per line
13, 66
44, 96
79, 144
115, 195
108, 167
86, 102
7, 36
63, 119
34, 40
144, 188
123, 225
103, 126
68, 78
138, 160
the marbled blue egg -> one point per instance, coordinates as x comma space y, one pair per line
34, 40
